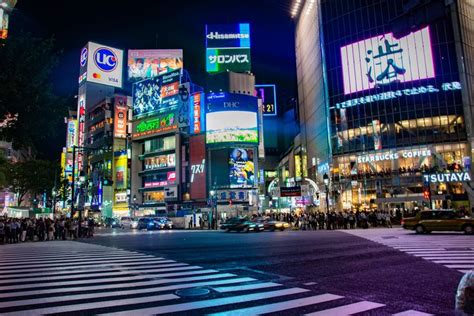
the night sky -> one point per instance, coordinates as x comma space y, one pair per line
149, 24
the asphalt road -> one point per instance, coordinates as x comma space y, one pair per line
322, 261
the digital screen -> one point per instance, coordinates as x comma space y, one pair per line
161, 161
231, 118
267, 92
241, 167
384, 59
150, 63
156, 94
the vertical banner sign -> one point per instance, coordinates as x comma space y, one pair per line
197, 162
377, 136
197, 113
81, 115
120, 117
267, 93
71, 134
261, 142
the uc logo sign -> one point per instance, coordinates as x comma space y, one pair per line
105, 59
83, 56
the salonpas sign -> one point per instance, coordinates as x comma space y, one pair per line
447, 177
393, 155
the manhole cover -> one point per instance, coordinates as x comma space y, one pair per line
196, 291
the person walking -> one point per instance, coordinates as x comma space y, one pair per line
2, 231
24, 229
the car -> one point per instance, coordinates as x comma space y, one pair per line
126, 221
270, 224
439, 220
168, 224
134, 223
241, 224
112, 222
143, 222
155, 224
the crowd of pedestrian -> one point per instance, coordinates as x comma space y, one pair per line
335, 220
14, 230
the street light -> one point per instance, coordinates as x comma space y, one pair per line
134, 205
326, 184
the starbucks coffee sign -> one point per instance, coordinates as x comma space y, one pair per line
393, 155
447, 177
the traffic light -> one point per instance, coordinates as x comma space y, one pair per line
426, 193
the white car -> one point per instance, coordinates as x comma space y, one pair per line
126, 222
134, 223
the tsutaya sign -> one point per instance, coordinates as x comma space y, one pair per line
447, 177
394, 155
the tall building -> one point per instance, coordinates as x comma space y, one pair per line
385, 94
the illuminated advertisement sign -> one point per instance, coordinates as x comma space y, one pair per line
102, 65
197, 162
267, 93
120, 117
81, 115
196, 117
150, 63
71, 133
159, 124
161, 161
156, 94
233, 195
228, 48
120, 173
242, 170
384, 59
391, 155
447, 177
231, 118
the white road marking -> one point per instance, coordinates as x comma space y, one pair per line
247, 287
348, 309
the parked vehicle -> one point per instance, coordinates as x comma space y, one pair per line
439, 220
270, 224
126, 221
112, 222
155, 224
241, 224
134, 223
168, 224
143, 222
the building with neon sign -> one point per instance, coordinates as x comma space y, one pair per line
385, 96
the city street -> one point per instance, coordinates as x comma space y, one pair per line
293, 273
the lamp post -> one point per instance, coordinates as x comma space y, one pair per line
134, 205
213, 209
326, 185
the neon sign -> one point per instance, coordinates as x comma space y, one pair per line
162, 123
447, 177
447, 86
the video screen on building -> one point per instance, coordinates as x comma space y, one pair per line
390, 82
231, 118
241, 168
150, 63
156, 94
161, 161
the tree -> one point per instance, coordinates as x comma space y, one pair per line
33, 176
26, 65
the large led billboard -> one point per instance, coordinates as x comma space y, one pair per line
228, 48
101, 64
241, 168
384, 59
231, 118
150, 63
156, 94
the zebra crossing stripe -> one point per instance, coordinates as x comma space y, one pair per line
23, 258
96, 275
116, 286
78, 272
412, 313
282, 306
348, 309
118, 292
210, 303
246, 287
73, 267
95, 305
104, 280
69, 263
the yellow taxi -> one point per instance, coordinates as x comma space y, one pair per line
439, 220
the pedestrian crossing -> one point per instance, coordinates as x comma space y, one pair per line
454, 251
79, 278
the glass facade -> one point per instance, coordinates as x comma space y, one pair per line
395, 101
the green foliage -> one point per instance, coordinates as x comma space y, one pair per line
26, 65
33, 176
